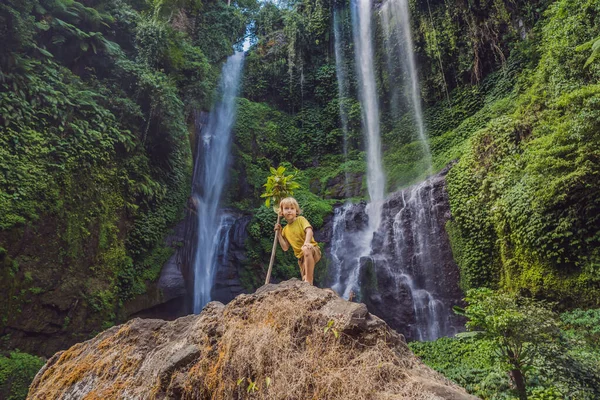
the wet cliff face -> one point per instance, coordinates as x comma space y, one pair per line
404, 272
230, 254
49, 301
44, 303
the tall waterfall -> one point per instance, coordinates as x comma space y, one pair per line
360, 240
393, 252
395, 20
209, 180
365, 66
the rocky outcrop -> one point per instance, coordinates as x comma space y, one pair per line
286, 341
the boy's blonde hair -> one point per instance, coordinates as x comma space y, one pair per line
290, 201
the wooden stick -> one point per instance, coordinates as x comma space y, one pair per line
272, 255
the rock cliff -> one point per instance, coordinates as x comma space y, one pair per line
290, 340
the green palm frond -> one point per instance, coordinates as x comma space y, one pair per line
279, 186
594, 45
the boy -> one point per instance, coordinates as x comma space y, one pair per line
299, 234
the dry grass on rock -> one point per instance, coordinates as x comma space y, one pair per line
287, 341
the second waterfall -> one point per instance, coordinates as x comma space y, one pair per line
210, 174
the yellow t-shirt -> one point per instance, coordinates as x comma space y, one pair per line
295, 234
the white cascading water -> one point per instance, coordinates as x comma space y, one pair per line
365, 66
347, 248
210, 174
415, 230
416, 236
395, 20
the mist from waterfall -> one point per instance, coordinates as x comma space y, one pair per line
210, 175
398, 42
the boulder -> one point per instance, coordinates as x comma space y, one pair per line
286, 341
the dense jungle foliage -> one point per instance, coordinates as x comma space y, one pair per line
557, 356
98, 105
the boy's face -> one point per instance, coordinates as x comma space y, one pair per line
289, 212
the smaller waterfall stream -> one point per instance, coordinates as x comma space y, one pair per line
210, 174
342, 78
416, 236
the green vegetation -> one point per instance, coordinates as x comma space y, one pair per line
98, 101
554, 355
523, 196
517, 327
95, 158
17, 370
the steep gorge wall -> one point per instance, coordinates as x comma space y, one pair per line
95, 157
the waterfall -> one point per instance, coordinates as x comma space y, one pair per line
409, 278
342, 79
395, 20
349, 243
393, 252
210, 174
417, 246
365, 66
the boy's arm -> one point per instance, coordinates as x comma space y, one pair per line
282, 241
309, 236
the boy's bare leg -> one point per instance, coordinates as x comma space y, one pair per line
301, 264
309, 266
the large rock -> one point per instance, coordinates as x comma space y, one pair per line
286, 341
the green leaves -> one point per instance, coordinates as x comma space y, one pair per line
330, 327
278, 186
17, 370
594, 45
517, 324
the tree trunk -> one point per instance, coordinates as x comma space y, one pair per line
519, 381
